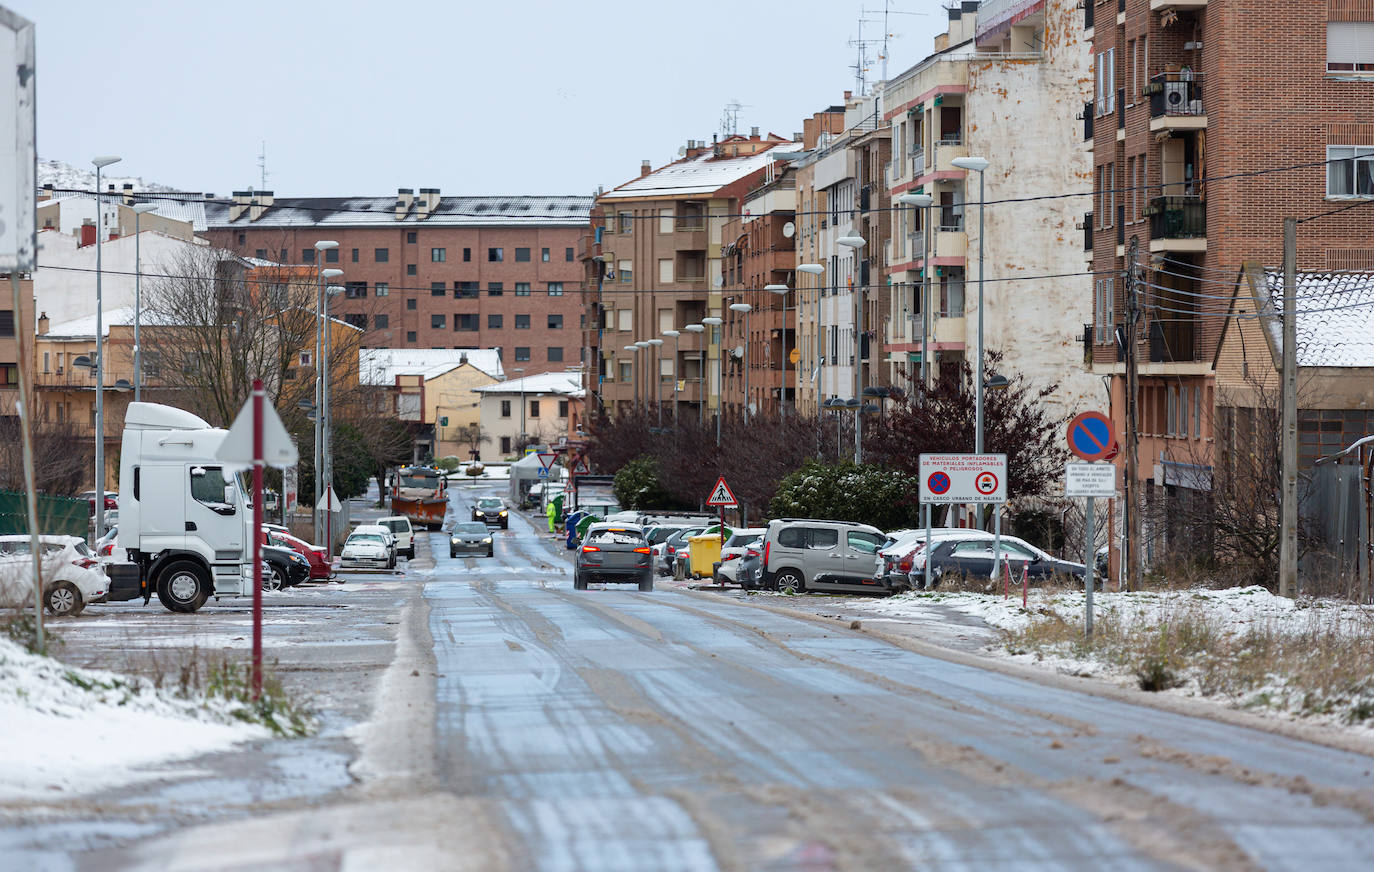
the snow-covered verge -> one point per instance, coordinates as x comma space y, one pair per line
69, 730
1242, 647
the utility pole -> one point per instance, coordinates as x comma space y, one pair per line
1132, 520
1288, 518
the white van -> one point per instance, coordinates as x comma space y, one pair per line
399, 525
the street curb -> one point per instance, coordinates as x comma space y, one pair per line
1314, 733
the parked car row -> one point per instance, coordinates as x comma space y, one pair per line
72, 577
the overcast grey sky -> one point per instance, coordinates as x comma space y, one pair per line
357, 97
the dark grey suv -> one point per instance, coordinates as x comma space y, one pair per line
614, 553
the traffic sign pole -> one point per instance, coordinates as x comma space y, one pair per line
1088, 572
258, 395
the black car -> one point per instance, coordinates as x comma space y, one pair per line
493, 511
614, 553
470, 537
288, 567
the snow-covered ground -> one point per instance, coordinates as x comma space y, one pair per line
73, 731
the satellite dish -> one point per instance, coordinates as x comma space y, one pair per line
789, 230
737, 351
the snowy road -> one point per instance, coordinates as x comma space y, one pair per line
617, 730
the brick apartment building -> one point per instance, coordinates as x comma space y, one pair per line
425, 271
1193, 100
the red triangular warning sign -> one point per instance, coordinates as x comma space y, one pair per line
721, 495
546, 459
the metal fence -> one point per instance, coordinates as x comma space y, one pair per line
1334, 517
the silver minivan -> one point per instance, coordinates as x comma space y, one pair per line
804, 554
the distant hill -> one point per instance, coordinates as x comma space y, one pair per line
63, 175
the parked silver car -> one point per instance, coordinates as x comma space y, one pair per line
805, 554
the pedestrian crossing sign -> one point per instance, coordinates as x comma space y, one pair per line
721, 495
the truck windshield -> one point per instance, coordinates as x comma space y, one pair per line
420, 480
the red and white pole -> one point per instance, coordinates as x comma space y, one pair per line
256, 536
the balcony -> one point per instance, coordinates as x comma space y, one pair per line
918, 163
1088, 232
1088, 116
1088, 14
1177, 223
1176, 102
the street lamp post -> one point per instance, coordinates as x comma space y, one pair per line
326, 414
812, 269
701, 379
673, 334
713, 321
100, 164
781, 291
923, 201
658, 380
857, 242
745, 309
139, 212
519, 371
320, 376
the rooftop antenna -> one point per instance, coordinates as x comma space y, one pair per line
729, 119
887, 31
861, 57
262, 166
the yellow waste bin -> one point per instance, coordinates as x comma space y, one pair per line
704, 553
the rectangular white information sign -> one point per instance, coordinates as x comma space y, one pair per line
1089, 480
963, 478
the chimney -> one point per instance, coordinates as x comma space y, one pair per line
753, 133
87, 233
47, 191
42, 323
645, 167
242, 200
797, 136
462, 358
848, 95
128, 193
259, 204
404, 197
427, 202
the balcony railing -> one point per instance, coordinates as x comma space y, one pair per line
1177, 217
1088, 232
918, 163
1171, 95
1088, 14
1088, 115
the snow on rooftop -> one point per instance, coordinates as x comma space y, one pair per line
704, 174
1335, 317
121, 317
565, 383
539, 209
380, 366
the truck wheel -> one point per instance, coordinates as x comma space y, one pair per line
62, 599
183, 587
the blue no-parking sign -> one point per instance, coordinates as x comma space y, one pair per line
1091, 436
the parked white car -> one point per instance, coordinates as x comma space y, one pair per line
387, 536
727, 571
366, 547
72, 575
399, 525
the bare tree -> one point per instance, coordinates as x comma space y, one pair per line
62, 457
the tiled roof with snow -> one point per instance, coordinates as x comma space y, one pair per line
380, 366
566, 383
701, 175
1335, 317
542, 210
187, 207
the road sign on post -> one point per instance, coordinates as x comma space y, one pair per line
963, 478
1089, 480
721, 495
1092, 437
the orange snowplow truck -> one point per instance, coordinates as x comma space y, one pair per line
421, 494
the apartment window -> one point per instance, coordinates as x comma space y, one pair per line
467, 255
260, 254
6, 322
555, 322
283, 256
411, 269
467, 290
505, 445
381, 255
1133, 60
359, 321
522, 289
410, 304
438, 322
493, 322
355, 290
495, 289
305, 358
1350, 171
381, 322
626, 319
562, 408
626, 221
544, 255
665, 270
522, 255
412, 237
1171, 414
382, 289
1197, 413
1105, 68
353, 255
568, 255
331, 255
555, 354
307, 255
1350, 46
522, 352
505, 408
496, 255
624, 372
626, 270
1103, 305
438, 289
522, 322
555, 289
243, 238
410, 336
438, 255
534, 408
465, 323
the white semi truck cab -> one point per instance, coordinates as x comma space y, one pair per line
183, 518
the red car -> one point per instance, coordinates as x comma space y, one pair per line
319, 566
